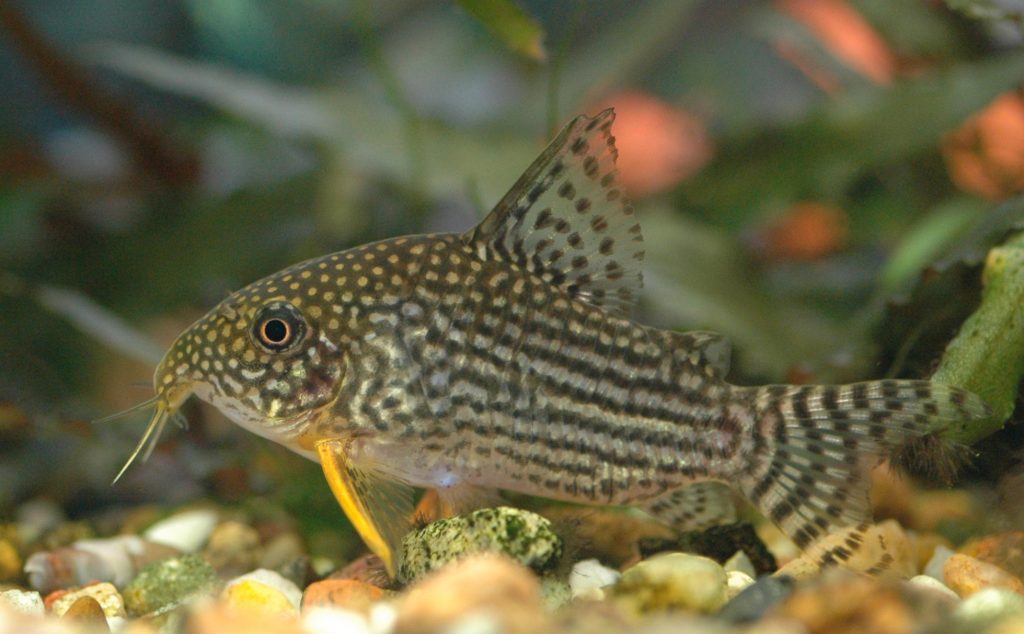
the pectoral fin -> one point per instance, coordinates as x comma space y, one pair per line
379, 507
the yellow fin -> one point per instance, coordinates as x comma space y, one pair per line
379, 507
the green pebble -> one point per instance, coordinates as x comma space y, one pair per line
525, 537
163, 585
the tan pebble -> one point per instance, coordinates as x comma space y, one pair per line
87, 610
349, 594
672, 581
233, 548
966, 575
1005, 550
929, 509
226, 620
485, 587
105, 594
847, 603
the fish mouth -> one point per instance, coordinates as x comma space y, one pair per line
166, 404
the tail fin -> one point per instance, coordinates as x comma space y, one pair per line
815, 445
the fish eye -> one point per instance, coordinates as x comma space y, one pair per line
278, 327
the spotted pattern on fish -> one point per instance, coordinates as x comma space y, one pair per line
504, 358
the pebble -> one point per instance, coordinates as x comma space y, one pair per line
756, 599
104, 593
351, 595
169, 583
925, 546
87, 611
933, 584
272, 580
488, 586
720, 543
324, 620
740, 562
114, 559
233, 548
249, 595
978, 612
282, 551
844, 601
590, 574
966, 575
37, 516
938, 561
1005, 550
525, 537
24, 601
187, 531
554, 592
736, 582
10, 560
226, 619
672, 581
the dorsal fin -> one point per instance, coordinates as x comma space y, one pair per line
566, 220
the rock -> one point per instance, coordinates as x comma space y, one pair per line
484, 590
720, 543
23, 601
525, 537
844, 601
1005, 550
967, 575
169, 583
590, 574
254, 597
347, 594
87, 611
740, 562
933, 585
736, 582
282, 551
37, 516
225, 619
938, 561
114, 559
186, 531
756, 599
273, 580
369, 569
104, 593
983, 609
554, 592
233, 548
10, 560
324, 620
670, 581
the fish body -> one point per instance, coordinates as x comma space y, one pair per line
504, 358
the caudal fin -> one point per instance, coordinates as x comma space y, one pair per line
814, 446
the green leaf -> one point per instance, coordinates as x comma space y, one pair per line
510, 24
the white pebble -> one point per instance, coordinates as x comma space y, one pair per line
989, 604
935, 565
591, 574
331, 620
24, 601
383, 617
926, 581
740, 562
187, 531
736, 582
274, 580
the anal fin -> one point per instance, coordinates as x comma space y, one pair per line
379, 507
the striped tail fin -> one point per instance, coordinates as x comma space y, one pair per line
814, 446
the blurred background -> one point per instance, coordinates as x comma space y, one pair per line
817, 179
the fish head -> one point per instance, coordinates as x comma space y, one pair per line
261, 357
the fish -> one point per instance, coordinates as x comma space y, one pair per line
504, 358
